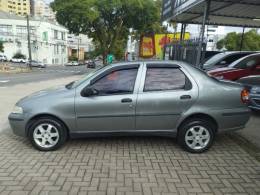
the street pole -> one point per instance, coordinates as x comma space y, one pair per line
242, 39
78, 49
202, 33
29, 42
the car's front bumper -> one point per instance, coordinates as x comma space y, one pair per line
18, 124
254, 101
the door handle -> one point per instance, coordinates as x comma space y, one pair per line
185, 97
126, 100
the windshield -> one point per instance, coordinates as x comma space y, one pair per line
246, 62
76, 83
213, 60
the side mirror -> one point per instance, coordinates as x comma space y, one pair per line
87, 92
223, 62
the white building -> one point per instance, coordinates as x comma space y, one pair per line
79, 45
214, 34
48, 40
40, 9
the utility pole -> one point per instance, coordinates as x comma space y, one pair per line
29, 42
242, 39
78, 48
202, 32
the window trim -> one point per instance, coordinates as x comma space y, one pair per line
131, 66
113, 69
187, 86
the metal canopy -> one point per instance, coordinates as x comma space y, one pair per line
243, 13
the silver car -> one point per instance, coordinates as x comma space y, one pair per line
163, 98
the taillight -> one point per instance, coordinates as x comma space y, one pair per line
245, 96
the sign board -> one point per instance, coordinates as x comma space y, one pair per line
152, 45
167, 9
169, 6
147, 46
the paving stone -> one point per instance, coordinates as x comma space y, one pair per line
126, 165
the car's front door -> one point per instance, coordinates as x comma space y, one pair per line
165, 93
113, 108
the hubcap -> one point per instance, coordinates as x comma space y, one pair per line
46, 135
197, 137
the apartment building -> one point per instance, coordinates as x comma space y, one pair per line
19, 7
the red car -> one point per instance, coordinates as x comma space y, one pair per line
246, 66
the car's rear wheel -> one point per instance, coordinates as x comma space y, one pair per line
196, 135
47, 134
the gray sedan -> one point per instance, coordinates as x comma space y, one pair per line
163, 98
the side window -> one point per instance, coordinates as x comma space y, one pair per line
160, 79
117, 82
228, 60
248, 62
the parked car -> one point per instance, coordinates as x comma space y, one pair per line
38, 64
223, 59
91, 64
252, 83
72, 63
3, 58
18, 60
135, 98
246, 66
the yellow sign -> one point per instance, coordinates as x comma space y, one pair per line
163, 39
147, 49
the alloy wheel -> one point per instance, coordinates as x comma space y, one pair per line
197, 137
46, 135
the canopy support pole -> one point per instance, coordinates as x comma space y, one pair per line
242, 38
202, 32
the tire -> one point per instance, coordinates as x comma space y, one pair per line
196, 135
47, 130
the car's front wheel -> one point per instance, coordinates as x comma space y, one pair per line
196, 135
47, 134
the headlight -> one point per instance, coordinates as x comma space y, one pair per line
219, 77
255, 90
17, 110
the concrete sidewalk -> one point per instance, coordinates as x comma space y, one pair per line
10, 95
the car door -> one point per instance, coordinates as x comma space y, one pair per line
165, 93
113, 109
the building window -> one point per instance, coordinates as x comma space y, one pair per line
55, 34
63, 35
5, 29
22, 30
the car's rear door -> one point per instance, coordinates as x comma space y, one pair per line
165, 93
113, 109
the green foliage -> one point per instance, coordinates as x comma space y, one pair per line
19, 55
73, 58
1, 46
107, 22
232, 41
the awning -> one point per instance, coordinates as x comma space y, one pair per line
242, 13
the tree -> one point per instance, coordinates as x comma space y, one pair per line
1, 46
108, 22
232, 41
19, 55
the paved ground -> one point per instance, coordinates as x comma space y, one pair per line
126, 166
252, 133
122, 165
